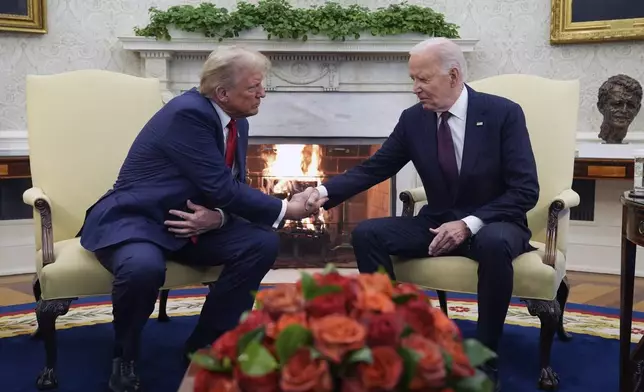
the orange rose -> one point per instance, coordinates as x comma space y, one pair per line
409, 288
372, 301
226, 346
266, 383
380, 283
461, 367
444, 328
283, 298
206, 381
335, 335
275, 328
430, 372
305, 374
384, 372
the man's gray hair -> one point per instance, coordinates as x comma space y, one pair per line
449, 54
223, 66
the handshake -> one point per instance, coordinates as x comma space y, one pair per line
304, 204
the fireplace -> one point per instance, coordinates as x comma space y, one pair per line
284, 166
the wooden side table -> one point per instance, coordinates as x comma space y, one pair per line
632, 235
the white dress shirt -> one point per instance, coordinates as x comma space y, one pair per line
456, 124
225, 120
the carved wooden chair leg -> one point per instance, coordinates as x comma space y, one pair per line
549, 313
163, 305
47, 311
562, 298
36, 335
442, 300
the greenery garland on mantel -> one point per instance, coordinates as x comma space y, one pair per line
281, 20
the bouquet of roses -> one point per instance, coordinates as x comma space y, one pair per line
335, 333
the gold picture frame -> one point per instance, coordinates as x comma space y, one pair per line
564, 30
32, 17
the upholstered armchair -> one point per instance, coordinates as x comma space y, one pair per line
81, 125
550, 108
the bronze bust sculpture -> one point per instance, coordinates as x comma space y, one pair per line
619, 100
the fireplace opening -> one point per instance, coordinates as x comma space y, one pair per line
283, 167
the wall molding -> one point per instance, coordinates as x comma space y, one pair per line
14, 142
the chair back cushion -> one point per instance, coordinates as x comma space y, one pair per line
551, 110
81, 125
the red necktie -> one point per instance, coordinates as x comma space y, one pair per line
231, 145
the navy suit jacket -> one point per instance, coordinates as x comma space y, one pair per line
178, 155
498, 179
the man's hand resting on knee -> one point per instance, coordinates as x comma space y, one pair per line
199, 221
448, 237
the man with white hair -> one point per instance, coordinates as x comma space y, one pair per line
473, 154
191, 153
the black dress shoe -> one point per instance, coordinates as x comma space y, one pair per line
124, 377
493, 374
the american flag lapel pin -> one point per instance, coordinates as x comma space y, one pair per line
479, 124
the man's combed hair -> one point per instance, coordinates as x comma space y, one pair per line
223, 65
629, 84
450, 54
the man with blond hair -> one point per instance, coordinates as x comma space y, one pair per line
473, 154
190, 154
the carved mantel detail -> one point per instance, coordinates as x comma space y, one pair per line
370, 64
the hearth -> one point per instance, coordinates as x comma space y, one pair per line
285, 166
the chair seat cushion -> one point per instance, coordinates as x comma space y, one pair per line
532, 278
77, 273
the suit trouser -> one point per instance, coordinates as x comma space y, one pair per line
247, 252
493, 247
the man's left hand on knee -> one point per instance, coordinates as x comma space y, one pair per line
448, 237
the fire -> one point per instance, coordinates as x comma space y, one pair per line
290, 169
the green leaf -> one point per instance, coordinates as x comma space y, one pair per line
256, 360
362, 355
329, 268
403, 298
477, 353
382, 270
244, 316
477, 383
323, 290
410, 365
308, 285
208, 362
315, 354
290, 340
407, 331
256, 335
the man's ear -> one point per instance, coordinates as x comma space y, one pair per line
221, 94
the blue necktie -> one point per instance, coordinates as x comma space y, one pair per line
446, 154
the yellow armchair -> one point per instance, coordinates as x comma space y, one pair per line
550, 108
81, 125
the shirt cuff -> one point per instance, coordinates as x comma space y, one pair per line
322, 191
223, 217
473, 223
281, 215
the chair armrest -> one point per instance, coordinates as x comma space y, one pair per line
410, 197
36, 198
562, 202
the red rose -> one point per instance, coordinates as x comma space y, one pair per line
384, 371
332, 279
383, 329
419, 315
305, 374
226, 346
206, 381
255, 319
327, 304
352, 385
430, 372
461, 367
266, 383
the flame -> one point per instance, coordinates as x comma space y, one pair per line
291, 168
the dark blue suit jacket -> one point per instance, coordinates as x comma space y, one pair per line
178, 155
498, 178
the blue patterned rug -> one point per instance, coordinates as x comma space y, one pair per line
589, 363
